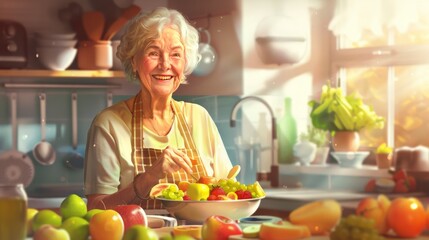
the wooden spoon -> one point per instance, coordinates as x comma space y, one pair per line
126, 15
93, 23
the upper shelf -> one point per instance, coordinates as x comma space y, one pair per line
62, 74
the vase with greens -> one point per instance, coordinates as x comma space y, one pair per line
343, 116
320, 139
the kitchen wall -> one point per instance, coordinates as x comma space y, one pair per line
270, 82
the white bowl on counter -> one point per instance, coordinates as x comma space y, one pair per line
350, 159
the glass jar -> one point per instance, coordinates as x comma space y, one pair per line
13, 212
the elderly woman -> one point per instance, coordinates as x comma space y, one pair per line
151, 138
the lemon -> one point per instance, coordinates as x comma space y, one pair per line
73, 206
31, 212
46, 216
198, 191
77, 227
232, 196
91, 213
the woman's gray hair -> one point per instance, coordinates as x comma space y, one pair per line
147, 27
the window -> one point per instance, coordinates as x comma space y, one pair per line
390, 70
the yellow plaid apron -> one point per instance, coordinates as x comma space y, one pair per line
145, 157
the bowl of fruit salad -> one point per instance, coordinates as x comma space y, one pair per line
195, 202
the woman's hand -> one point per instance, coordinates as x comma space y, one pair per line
172, 160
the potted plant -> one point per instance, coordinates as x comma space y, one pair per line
383, 156
343, 116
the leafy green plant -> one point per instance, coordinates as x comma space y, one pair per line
337, 112
383, 149
315, 135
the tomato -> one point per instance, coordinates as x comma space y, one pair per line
106, 225
370, 186
401, 186
412, 184
406, 217
400, 174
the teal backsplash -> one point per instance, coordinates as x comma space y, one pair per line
58, 179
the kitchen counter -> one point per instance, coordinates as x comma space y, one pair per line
285, 200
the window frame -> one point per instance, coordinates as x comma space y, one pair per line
380, 56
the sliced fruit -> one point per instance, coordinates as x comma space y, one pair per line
188, 230
156, 190
319, 216
232, 196
283, 230
234, 172
252, 231
259, 190
222, 197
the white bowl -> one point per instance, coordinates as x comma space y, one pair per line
51, 35
350, 159
46, 42
56, 58
199, 211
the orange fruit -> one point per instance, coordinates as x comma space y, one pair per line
156, 190
406, 217
183, 185
106, 225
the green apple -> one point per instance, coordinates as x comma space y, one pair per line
77, 227
46, 216
198, 191
73, 206
48, 232
140, 232
91, 213
31, 212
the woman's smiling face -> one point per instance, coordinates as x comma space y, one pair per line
161, 64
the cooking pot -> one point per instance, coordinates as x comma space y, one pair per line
208, 56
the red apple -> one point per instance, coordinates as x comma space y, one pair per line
132, 215
219, 228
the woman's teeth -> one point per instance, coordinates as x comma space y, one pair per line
163, 77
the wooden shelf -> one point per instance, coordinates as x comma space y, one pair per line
62, 74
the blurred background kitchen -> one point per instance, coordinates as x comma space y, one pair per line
281, 51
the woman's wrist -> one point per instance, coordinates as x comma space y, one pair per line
142, 184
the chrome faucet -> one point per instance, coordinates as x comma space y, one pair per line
273, 176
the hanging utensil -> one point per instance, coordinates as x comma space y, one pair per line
208, 55
43, 152
74, 160
15, 166
126, 15
93, 23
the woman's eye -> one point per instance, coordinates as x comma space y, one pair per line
177, 55
153, 54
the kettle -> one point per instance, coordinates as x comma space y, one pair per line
208, 56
